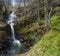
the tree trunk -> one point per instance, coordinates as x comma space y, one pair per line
24, 7
47, 19
38, 19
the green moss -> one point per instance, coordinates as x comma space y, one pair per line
48, 46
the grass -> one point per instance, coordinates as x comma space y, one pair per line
49, 45
55, 20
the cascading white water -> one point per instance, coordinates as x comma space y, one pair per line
12, 31
11, 20
15, 43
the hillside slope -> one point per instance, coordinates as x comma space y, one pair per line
49, 45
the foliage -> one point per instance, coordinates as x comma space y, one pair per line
55, 20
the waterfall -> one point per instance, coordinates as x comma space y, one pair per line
14, 44
12, 31
11, 20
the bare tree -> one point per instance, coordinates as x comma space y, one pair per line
47, 19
